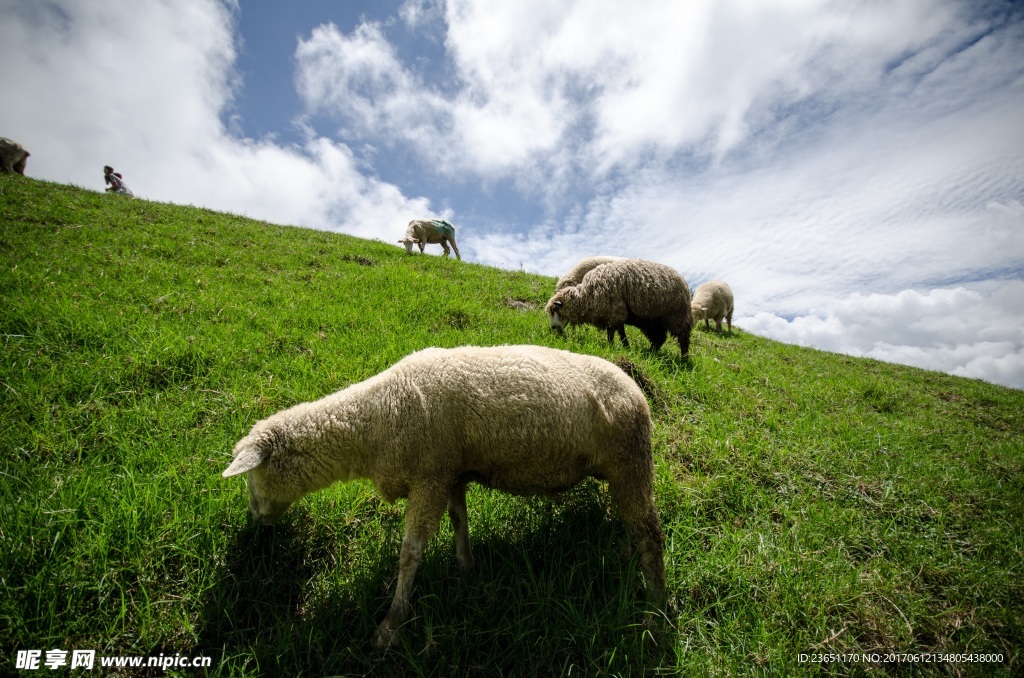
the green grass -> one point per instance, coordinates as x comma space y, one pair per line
812, 503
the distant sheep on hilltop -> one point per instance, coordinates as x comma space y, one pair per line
713, 300
428, 232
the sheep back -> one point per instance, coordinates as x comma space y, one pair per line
522, 419
575, 275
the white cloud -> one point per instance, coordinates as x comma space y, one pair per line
359, 79
974, 332
421, 14
617, 82
144, 87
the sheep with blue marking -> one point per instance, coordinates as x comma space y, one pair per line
424, 232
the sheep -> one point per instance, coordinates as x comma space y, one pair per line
645, 294
13, 156
583, 266
521, 419
713, 301
429, 231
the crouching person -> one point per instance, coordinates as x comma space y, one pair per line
114, 181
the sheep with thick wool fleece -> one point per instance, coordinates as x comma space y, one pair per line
650, 296
522, 419
713, 300
584, 266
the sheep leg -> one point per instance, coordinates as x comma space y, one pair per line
444, 246
728, 320
656, 335
621, 329
422, 518
718, 325
634, 502
456, 248
681, 329
460, 525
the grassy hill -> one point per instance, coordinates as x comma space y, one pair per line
812, 503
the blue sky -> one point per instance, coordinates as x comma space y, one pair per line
854, 170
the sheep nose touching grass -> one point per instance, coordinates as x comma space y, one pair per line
612, 294
522, 419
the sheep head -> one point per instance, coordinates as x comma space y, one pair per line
554, 311
271, 492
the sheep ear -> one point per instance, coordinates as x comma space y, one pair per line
249, 458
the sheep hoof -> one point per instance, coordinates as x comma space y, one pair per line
383, 637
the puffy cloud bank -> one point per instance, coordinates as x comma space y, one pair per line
976, 332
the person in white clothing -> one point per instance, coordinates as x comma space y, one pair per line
115, 181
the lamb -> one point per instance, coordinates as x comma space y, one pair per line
713, 301
12, 156
429, 231
583, 266
645, 294
521, 419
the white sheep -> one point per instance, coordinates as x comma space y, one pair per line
650, 296
713, 301
424, 232
521, 419
13, 156
582, 267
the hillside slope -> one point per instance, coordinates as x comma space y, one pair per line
812, 503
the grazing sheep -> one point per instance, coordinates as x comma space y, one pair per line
12, 156
429, 231
645, 294
582, 267
521, 419
713, 301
